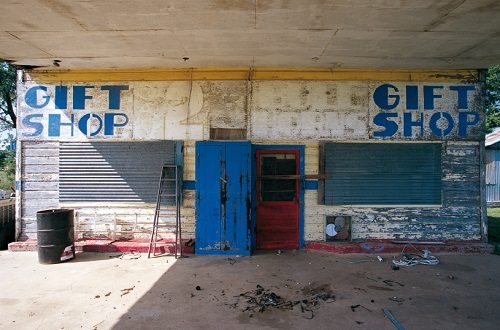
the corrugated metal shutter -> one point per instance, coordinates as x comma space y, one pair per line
382, 173
112, 171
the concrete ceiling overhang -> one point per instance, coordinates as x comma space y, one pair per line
363, 34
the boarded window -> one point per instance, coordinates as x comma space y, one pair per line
381, 173
228, 134
112, 171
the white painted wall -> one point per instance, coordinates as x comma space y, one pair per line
273, 112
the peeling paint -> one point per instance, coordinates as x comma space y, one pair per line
280, 112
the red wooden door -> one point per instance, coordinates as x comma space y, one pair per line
277, 205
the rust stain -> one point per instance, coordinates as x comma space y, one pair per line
464, 78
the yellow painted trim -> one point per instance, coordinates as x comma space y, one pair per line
110, 75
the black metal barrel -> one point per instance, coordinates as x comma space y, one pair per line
55, 235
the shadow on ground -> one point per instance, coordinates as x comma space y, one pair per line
463, 292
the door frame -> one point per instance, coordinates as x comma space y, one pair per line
301, 149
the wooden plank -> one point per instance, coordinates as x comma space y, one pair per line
37, 186
246, 73
41, 152
40, 145
46, 160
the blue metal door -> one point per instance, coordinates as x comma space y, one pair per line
223, 179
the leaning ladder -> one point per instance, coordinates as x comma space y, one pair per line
167, 200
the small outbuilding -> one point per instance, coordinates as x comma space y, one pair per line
492, 160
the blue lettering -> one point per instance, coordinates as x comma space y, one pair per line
55, 124
114, 95
382, 119
61, 97
79, 96
381, 97
38, 127
464, 123
462, 95
433, 124
409, 124
429, 96
31, 97
83, 123
412, 97
110, 123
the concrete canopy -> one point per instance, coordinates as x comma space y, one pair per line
363, 34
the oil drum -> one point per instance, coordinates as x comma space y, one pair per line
55, 235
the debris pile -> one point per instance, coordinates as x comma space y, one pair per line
261, 299
412, 259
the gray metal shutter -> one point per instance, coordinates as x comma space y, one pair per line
112, 171
382, 173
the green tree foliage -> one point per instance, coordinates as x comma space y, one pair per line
7, 169
7, 123
492, 98
7, 96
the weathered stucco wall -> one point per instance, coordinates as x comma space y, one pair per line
272, 112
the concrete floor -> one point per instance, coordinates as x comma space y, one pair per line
463, 292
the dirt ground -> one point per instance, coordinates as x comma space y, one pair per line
101, 291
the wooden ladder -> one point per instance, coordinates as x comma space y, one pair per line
168, 200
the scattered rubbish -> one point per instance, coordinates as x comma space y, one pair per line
231, 261
278, 252
198, 288
412, 259
359, 322
380, 258
126, 291
116, 256
107, 294
390, 282
95, 325
127, 256
398, 300
261, 299
97, 296
451, 277
353, 308
380, 288
190, 242
131, 255
360, 261
393, 319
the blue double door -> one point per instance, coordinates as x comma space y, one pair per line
223, 197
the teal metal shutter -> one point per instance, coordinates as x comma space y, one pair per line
125, 172
382, 173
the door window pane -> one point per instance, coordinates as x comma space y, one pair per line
275, 185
